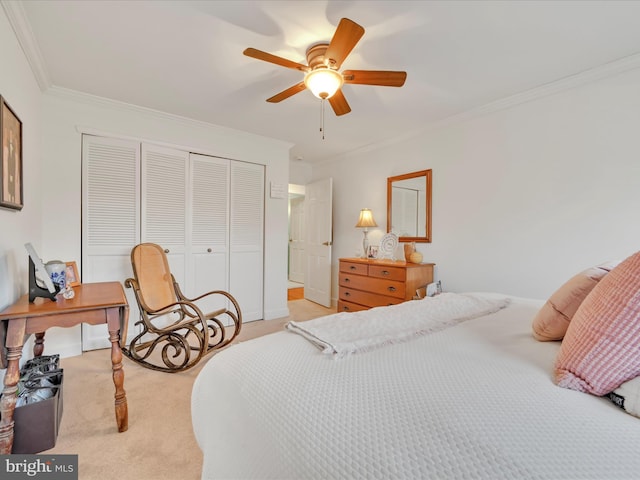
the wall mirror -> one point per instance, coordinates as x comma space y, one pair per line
409, 206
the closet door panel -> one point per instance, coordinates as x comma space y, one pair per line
110, 220
209, 206
164, 204
246, 238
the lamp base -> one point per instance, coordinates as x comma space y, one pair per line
365, 244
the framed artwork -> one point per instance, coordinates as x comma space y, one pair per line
71, 274
11, 172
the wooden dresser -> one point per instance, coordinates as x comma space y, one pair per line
373, 283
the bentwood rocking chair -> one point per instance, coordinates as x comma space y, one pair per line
175, 333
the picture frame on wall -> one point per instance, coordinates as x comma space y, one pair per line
11, 184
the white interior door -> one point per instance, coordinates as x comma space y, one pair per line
209, 260
296, 239
110, 221
319, 235
246, 239
164, 198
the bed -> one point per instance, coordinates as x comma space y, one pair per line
473, 398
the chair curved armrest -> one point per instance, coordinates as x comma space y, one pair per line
230, 297
213, 292
179, 303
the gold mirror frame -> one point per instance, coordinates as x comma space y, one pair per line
426, 174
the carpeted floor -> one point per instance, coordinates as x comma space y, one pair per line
159, 443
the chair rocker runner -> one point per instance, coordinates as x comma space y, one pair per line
171, 323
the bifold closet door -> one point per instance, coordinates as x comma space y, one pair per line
246, 239
110, 220
209, 226
207, 213
164, 204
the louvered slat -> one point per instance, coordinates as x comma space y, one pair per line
164, 198
111, 200
210, 203
247, 187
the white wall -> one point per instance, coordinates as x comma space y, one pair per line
523, 198
20, 91
300, 172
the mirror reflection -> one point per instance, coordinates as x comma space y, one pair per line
409, 206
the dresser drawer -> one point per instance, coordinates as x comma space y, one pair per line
374, 285
390, 273
367, 299
352, 267
350, 307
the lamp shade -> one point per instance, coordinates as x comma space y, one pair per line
323, 82
366, 219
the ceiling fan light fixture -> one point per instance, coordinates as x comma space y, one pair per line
323, 82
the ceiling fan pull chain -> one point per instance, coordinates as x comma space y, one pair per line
322, 118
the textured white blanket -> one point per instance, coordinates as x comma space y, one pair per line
345, 333
475, 401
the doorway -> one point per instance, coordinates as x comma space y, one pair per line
296, 258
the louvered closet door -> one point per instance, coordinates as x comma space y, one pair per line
209, 259
246, 238
164, 204
110, 220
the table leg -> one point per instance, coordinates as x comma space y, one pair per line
14, 343
121, 408
38, 346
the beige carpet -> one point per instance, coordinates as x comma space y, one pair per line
159, 443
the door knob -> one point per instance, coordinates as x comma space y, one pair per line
326, 244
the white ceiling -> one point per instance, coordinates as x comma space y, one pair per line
185, 58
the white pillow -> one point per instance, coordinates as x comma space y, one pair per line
627, 396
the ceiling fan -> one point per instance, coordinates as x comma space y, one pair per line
322, 75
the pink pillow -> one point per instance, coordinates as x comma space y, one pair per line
551, 322
601, 349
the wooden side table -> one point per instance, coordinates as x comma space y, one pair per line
93, 303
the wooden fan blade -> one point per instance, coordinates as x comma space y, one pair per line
382, 78
346, 37
339, 103
267, 57
289, 92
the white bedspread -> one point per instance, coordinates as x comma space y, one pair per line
472, 401
346, 333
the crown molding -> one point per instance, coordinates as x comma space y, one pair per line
22, 28
94, 100
592, 75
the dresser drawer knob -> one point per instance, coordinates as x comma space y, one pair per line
347, 294
352, 267
347, 280
385, 272
391, 289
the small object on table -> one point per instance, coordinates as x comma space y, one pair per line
415, 257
